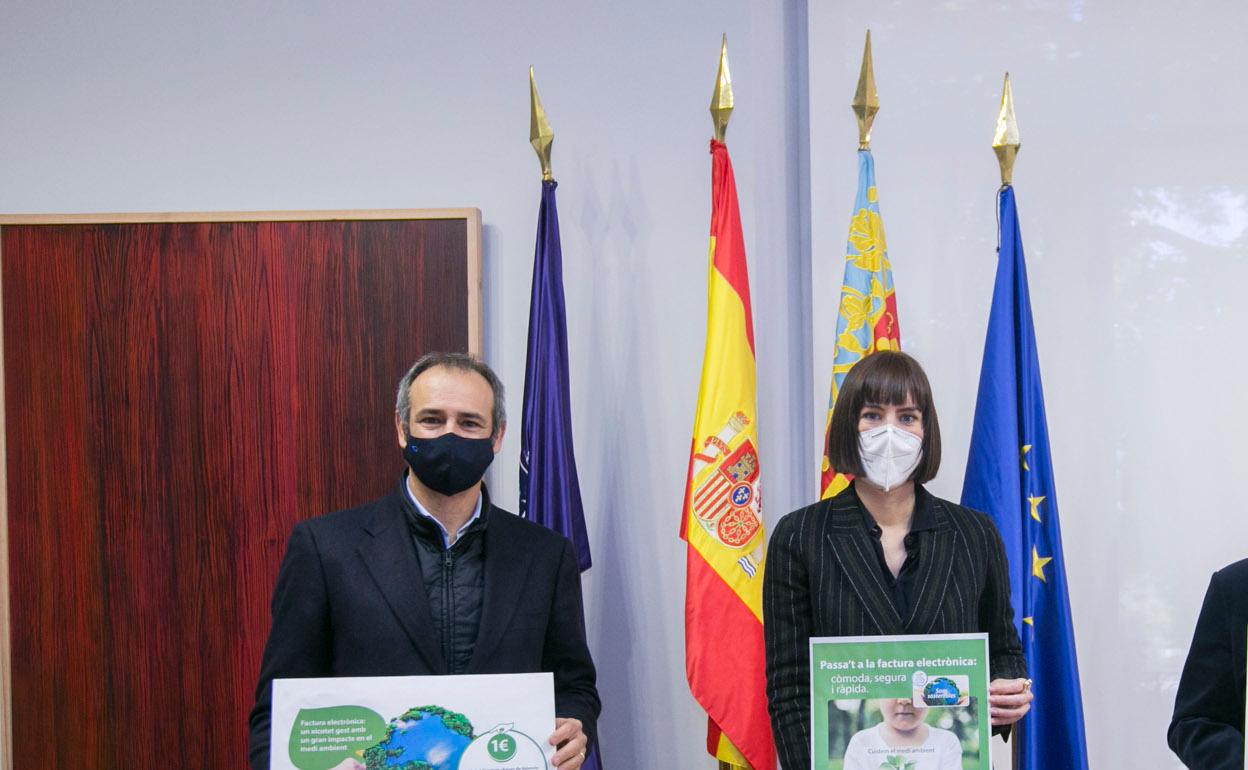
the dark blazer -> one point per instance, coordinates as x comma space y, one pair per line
1207, 730
350, 601
823, 578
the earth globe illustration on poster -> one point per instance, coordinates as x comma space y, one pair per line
422, 738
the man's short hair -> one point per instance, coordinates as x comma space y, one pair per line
887, 378
462, 362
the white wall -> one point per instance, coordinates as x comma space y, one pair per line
1132, 189
1132, 185
175, 106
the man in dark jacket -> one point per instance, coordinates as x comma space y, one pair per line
1207, 730
433, 578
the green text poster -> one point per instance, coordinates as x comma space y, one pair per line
900, 702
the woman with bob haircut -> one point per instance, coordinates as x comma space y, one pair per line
884, 557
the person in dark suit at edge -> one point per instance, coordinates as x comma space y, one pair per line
884, 557
1207, 729
434, 578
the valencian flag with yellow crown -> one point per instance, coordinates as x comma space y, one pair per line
867, 319
722, 519
1009, 475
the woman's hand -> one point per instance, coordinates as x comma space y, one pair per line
1009, 700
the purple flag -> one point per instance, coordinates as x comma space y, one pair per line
549, 491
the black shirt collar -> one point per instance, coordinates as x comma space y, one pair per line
924, 511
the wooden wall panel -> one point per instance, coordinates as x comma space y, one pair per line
177, 396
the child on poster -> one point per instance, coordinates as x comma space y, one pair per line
903, 740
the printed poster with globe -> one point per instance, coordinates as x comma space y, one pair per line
900, 703
483, 722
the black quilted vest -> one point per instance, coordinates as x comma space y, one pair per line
454, 581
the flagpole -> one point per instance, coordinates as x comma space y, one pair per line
721, 113
546, 446
1009, 427
1006, 144
721, 514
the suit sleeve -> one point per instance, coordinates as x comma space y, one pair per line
566, 653
996, 612
996, 616
1207, 728
786, 633
300, 643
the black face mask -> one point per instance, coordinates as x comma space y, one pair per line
450, 463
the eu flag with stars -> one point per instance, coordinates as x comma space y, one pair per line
1009, 475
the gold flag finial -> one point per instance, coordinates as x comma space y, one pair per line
866, 100
1005, 141
540, 134
721, 98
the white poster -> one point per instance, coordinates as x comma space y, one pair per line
484, 722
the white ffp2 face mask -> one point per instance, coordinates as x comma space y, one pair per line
889, 455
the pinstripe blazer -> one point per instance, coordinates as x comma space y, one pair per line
823, 579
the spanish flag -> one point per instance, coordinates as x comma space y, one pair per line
867, 320
722, 520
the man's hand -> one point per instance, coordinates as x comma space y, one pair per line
571, 741
1009, 700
